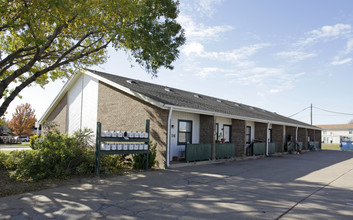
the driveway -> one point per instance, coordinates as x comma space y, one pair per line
314, 185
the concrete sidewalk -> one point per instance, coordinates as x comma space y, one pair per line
314, 185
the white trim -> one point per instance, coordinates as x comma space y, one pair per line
267, 137
198, 111
169, 135
60, 95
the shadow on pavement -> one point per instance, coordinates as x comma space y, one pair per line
313, 185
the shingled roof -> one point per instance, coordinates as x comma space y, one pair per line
193, 101
336, 126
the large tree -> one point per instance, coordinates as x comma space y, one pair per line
43, 40
23, 120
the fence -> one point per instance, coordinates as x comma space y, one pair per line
197, 152
260, 148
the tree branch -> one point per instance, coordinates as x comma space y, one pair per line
33, 78
6, 82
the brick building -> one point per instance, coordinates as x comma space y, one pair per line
177, 117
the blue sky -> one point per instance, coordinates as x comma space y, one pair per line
280, 55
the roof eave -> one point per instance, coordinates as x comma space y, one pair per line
60, 95
198, 111
127, 90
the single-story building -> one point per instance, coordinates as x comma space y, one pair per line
177, 118
334, 133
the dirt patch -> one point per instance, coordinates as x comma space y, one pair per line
9, 187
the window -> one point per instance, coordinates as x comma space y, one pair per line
184, 132
270, 135
227, 131
248, 135
324, 131
350, 131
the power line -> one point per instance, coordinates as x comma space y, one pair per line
299, 112
334, 112
340, 113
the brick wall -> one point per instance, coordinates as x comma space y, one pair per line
311, 134
260, 131
318, 136
303, 137
207, 124
122, 112
290, 131
238, 136
277, 136
59, 114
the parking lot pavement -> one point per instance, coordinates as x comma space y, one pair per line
313, 185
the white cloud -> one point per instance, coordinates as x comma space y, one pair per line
275, 80
193, 48
332, 31
349, 47
204, 8
208, 71
238, 56
327, 31
340, 62
295, 56
200, 32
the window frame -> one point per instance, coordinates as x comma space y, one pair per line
246, 134
230, 132
187, 121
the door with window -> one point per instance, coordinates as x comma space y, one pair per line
184, 132
227, 131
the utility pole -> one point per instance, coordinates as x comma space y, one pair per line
311, 114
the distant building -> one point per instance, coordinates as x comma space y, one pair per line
334, 133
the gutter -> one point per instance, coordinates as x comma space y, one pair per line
198, 111
267, 137
169, 135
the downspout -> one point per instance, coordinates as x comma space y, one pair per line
169, 135
267, 137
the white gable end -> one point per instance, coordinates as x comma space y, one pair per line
82, 104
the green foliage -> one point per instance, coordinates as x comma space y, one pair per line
84, 138
111, 163
58, 155
140, 159
32, 140
42, 41
3, 157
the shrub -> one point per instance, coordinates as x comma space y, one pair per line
3, 157
139, 159
111, 163
32, 140
58, 155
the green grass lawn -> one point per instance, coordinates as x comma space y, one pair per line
24, 144
325, 146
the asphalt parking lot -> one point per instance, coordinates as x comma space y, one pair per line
313, 185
